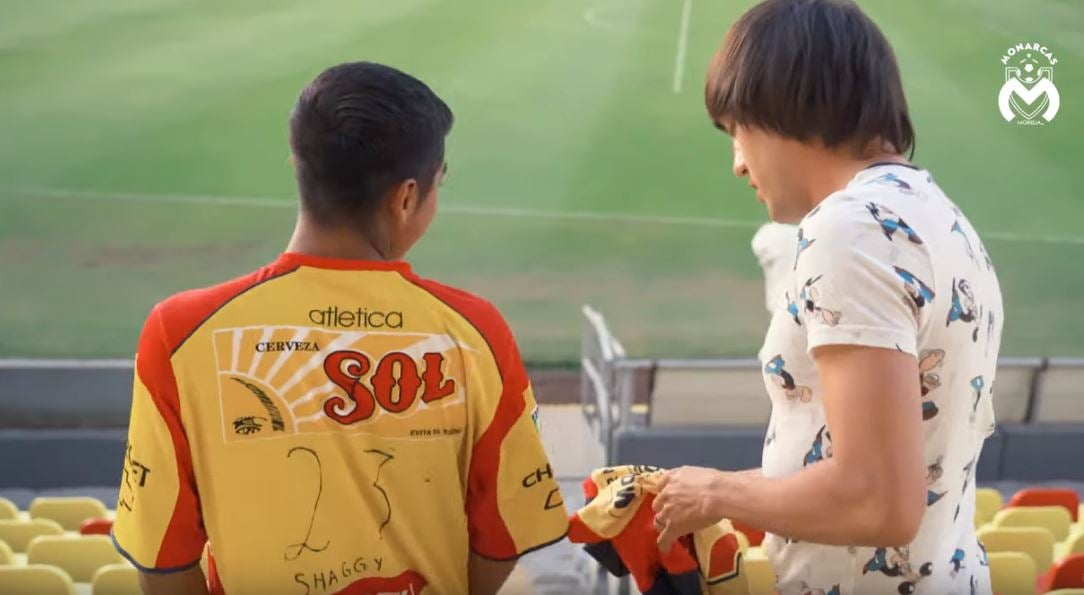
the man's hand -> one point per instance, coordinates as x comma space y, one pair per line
685, 503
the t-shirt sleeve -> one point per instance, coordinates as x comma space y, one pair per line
863, 277
514, 504
158, 526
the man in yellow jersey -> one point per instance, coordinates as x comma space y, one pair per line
333, 423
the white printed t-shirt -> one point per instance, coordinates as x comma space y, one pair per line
889, 262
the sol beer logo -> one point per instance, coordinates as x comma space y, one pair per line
396, 370
390, 384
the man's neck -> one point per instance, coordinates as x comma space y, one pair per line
835, 171
338, 242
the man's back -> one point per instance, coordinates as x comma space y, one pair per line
324, 424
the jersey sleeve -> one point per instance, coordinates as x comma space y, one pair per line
514, 504
863, 277
158, 526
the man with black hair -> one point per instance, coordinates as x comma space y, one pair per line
333, 423
811, 92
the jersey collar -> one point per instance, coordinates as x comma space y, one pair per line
294, 259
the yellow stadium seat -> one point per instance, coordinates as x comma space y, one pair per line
8, 510
1036, 542
760, 573
1012, 573
69, 512
116, 579
1066, 592
1053, 518
18, 534
1073, 545
987, 503
80, 556
7, 557
743, 541
35, 580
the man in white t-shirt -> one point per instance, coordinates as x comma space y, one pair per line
880, 360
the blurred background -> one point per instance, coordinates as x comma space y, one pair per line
143, 151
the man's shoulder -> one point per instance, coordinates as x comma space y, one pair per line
478, 311
182, 313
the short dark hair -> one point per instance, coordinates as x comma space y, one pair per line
809, 70
356, 131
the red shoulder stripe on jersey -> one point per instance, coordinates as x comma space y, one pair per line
168, 327
489, 536
186, 312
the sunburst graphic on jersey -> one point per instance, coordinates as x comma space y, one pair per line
284, 380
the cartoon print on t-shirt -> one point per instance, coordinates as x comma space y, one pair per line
807, 591
898, 565
803, 244
958, 229
783, 379
929, 361
809, 298
963, 307
977, 383
792, 309
821, 449
891, 179
957, 562
933, 475
989, 330
986, 256
919, 293
891, 223
968, 469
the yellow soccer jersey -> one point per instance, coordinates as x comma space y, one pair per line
332, 426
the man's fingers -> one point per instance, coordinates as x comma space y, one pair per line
667, 537
660, 501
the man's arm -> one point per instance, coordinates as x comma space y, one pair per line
187, 582
870, 491
486, 576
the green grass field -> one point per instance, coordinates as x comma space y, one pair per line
143, 151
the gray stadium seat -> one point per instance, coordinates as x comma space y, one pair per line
1043, 452
1060, 398
1013, 388
708, 393
720, 448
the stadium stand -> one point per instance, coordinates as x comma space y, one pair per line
19, 533
116, 579
79, 556
1052, 518
1012, 573
1035, 542
69, 513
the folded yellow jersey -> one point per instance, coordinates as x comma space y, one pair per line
617, 525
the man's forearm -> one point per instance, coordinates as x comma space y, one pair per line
820, 504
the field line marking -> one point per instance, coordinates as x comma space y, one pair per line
285, 203
484, 211
682, 45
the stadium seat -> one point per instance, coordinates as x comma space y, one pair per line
69, 512
18, 534
1066, 592
987, 503
80, 556
755, 536
1073, 545
1012, 573
708, 393
7, 557
760, 573
1060, 391
8, 510
116, 579
1036, 542
1064, 497
1067, 573
35, 580
96, 527
1052, 518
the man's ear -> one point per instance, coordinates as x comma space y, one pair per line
403, 199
